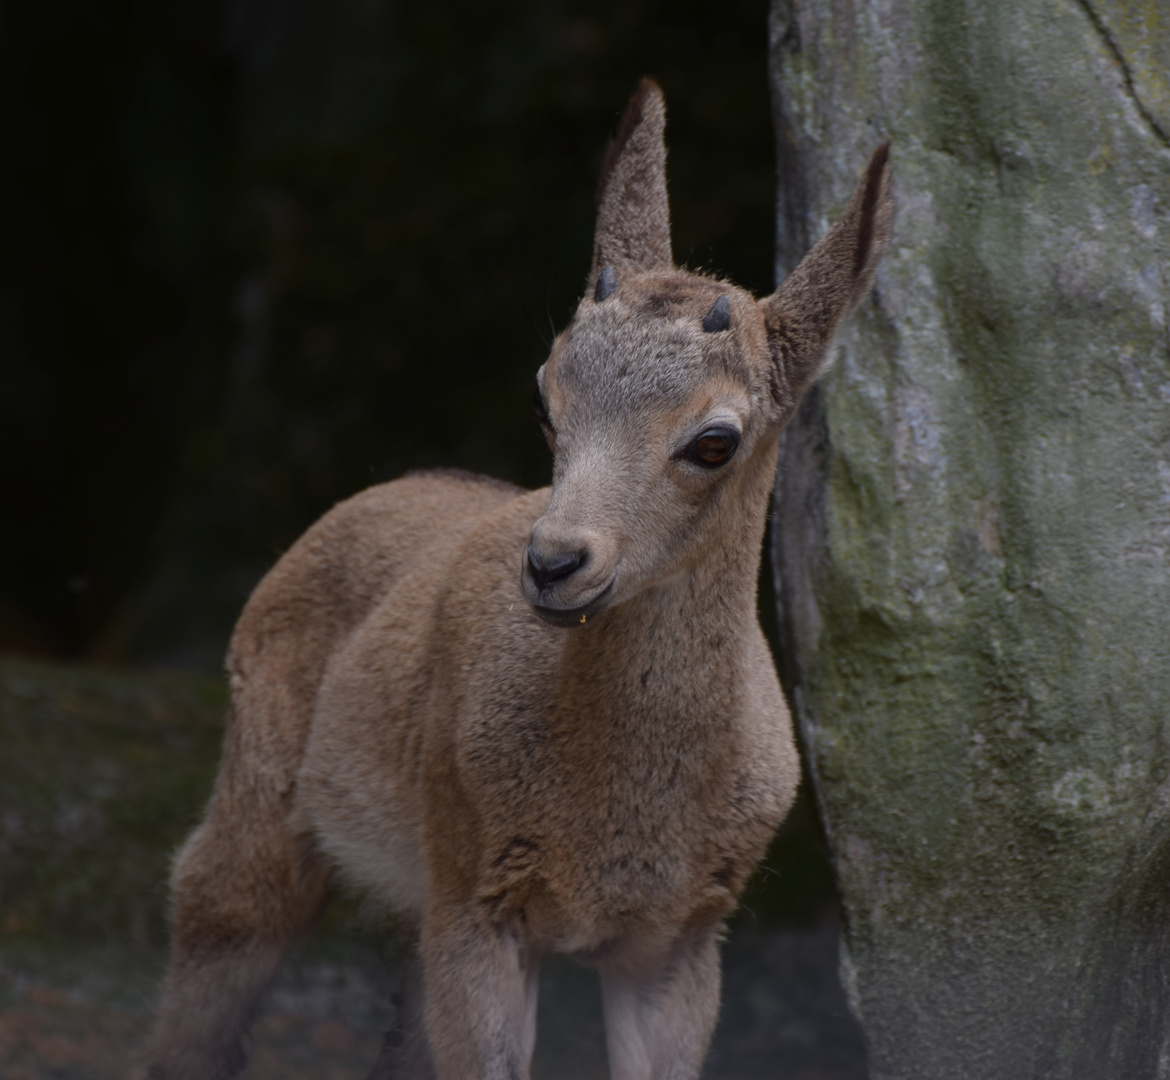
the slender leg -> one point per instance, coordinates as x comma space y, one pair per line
244, 888
658, 1024
481, 987
405, 1054
208, 1002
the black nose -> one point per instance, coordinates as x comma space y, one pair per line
546, 570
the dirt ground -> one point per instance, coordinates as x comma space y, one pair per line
784, 1015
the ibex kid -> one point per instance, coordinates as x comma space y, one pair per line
532, 720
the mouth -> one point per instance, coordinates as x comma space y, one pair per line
576, 616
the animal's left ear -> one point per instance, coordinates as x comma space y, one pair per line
633, 215
830, 281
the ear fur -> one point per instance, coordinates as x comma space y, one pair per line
830, 281
633, 215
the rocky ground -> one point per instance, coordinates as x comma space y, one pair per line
103, 772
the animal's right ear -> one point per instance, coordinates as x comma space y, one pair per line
830, 281
633, 215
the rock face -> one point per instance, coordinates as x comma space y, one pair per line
974, 528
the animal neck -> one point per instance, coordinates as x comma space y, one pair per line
690, 630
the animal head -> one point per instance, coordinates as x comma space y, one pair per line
664, 398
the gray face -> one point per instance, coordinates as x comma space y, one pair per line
651, 417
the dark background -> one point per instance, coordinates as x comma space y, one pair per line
257, 255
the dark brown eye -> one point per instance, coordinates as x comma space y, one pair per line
714, 447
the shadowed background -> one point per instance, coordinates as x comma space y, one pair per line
259, 255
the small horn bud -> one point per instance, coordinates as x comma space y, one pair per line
719, 317
606, 283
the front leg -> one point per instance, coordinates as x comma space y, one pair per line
658, 1023
405, 1054
481, 979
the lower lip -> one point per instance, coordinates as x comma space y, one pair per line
574, 616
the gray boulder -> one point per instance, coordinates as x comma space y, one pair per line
973, 528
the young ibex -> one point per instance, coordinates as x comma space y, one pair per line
532, 720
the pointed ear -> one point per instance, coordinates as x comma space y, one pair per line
633, 217
830, 282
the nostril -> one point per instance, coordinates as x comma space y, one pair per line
548, 569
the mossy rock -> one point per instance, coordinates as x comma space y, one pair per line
974, 528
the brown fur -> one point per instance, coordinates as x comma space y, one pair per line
591, 765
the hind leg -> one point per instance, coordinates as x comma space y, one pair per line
244, 887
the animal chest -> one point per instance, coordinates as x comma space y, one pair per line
591, 818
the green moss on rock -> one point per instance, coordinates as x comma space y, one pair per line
974, 527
